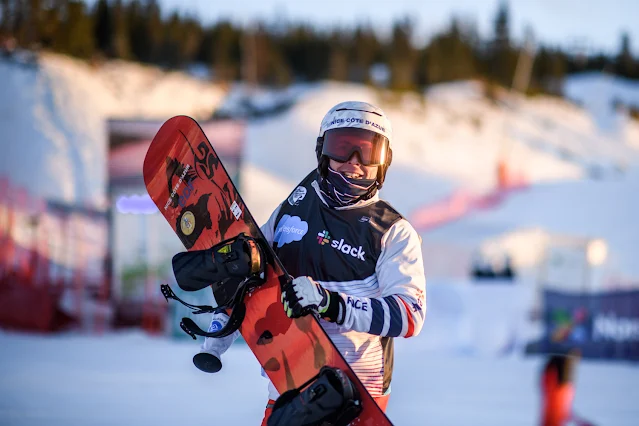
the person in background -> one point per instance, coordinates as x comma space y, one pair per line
558, 392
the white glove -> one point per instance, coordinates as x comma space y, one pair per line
303, 296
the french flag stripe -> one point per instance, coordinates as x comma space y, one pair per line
395, 328
377, 323
409, 318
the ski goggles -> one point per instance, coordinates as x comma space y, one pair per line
340, 145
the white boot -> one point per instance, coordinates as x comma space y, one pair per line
209, 357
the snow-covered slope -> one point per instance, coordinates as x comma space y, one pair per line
600, 94
447, 138
451, 137
120, 89
133, 379
52, 119
587, 209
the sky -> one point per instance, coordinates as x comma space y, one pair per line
595, 25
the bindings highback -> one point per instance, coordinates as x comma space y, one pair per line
232, 268
327, 399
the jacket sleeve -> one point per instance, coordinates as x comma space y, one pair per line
400, 309
268, 229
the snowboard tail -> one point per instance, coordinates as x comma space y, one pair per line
191, 188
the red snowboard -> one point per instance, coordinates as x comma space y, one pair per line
188, 183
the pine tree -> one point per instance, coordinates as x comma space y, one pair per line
120, 39
307, 52
449, 56
5, 18
270, 64
502, 58
549, 70
191, 35
34, 20
402, 56
338, 63
154, 29
103, 28
625, 64
366, 49
225, 51
20, 21
170, 51
49, 24
137, 34
74, 36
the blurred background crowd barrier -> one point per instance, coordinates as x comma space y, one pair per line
65, 267
54, 264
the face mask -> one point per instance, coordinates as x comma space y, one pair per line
339, 190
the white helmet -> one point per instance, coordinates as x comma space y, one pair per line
355, 114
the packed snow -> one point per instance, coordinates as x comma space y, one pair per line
134, 379
588, 209
606, 97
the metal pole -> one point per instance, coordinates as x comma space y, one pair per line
520, 83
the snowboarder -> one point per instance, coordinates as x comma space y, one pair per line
358, 262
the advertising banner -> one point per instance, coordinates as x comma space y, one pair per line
599, 325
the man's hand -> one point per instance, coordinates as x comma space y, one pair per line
303, 296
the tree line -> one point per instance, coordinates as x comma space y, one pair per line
280, 53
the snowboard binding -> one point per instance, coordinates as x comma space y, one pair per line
232, 268
327, 399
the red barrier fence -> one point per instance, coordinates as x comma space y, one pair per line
52, 264
463, 202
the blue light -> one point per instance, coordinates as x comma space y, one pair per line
136, 204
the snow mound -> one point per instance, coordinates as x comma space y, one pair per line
54, 119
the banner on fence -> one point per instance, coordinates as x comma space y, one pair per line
600, 325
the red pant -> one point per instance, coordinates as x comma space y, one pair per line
557, 399
382, 401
